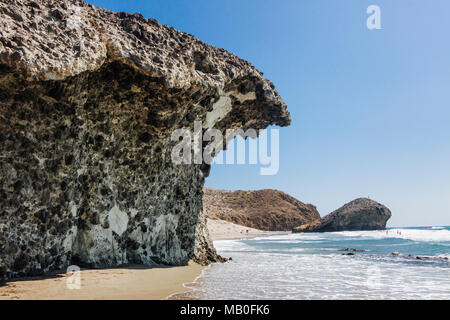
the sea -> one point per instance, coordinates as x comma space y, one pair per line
397, 263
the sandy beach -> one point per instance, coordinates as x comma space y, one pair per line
126, 283
223, 230
132, 282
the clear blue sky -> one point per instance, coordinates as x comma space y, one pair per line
370, 109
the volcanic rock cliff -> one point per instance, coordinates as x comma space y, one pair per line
88, 100
269, 210
359, 214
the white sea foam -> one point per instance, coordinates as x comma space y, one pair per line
437, 235
432, 235
230, 245
311, 266
266, 276
289, 237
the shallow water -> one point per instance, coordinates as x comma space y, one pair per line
312, 266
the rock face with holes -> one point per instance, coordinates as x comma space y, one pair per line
359, 214
88, 100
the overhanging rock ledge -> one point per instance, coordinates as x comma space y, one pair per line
88, 101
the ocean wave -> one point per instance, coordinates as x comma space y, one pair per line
289, 237
231, 245
324, 277
433, 234
438, 235
399, 263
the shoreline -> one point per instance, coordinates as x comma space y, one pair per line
188, 286
422, 255
220, 230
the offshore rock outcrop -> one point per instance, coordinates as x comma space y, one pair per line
359, 214
268, 210
88, 101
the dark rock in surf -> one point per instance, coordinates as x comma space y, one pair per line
352, 250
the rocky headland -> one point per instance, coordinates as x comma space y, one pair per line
359, 214
268, 210
88, 100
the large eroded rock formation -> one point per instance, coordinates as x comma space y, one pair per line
269, 210
359, 214
88, 101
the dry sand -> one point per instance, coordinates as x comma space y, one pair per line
223, 230
127, 283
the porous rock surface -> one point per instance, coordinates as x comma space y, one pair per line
268, 210
88, 101
359, 214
